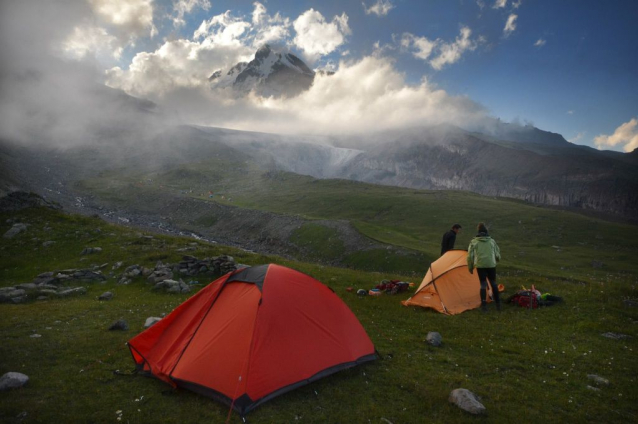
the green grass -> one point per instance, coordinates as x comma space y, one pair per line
528, 366
323, 242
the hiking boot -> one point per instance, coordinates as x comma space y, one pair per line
483, 307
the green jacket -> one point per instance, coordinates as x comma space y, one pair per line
483, 252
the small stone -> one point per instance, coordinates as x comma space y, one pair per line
467, 401
593, 389
631, 303
117, 265
120, 324
615, 336
27, 286
91, 250
48, 243
42, 298
106, 296
13, 380
124, 281
434, 338
598, 380
151, 321
35, 336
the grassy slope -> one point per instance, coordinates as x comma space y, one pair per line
526, 366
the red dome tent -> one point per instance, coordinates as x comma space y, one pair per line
251, 335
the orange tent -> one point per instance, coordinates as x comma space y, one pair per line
251, 335
448, 286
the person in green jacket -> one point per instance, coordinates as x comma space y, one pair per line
483, 254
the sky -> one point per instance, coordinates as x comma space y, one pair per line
565, 66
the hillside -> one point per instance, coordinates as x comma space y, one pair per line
533, 358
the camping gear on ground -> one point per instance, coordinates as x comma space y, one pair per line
375, 292
392, 286
532, 298
362, 292
251, 335
448, 286
349, 289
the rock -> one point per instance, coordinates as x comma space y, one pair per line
631, 303
106, 296
19, 299
593, 389
120, 324
124, 282
151, 321
146, 271
71, 292
13, 380
174, 289
27, 286
48, 243
597, 264
15, 230
35, 336
160, 275
91, 250
434, 338
467, 401
117, 265
600, 381
47, 292
615, 336
13, 296
42, 298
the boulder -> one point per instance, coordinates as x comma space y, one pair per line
434, 339
106, 296
120, 324
91, 250
13, 380
160, 275
27, 286
15, 230
467, 401
72, 292
151, 321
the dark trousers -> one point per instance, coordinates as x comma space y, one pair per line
485, 275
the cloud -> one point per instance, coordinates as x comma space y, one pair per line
442, 53
421, 47
499, 4
451, 52
182, 7
540, 42
380, 8
577, 137
625, 136
133, 16
510, 25
517, 4
317, 37
86, 40
570, 112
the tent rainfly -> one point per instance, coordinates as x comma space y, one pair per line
251, 335
448, 286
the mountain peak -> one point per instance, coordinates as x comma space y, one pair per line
272, 72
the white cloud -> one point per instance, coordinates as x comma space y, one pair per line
182, 7
625, 135
421, 47
510, 25
499, 4
577, 137
517, 4
449, 53
380, 8
317, 37
480, 4
540, 42
88, 40
570, 112
133, 16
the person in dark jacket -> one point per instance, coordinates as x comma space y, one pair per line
449, 238
483, 254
